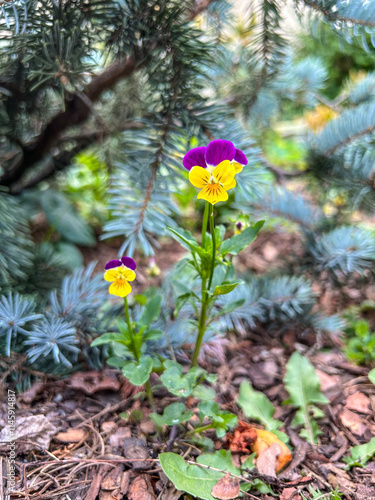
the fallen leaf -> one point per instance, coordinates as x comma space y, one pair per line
288, 492
266, 461
242, 439
266, 439
228, 487
136, 449
108, 426
91, 382
327, 382
35, 431
29, 395
358, 402
141, 489
353, 422
71, 436
116, 440
112, 481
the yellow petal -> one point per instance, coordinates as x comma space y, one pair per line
112, 274
120, 288
224, 172
199, 176
237, 167
128, 274
230, 185
213, 193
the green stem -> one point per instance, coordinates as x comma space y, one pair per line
204, 225
201, 429
212, 230
205, 288
135, 351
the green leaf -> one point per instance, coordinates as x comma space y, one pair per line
203, 392
187, 240
221, 420
303, 386
69, 255
107, 338
62, 215
175, 381
192, 479
225, 288
361, 454
228, 308
116, 362
257, 406
371, 376
141, 299
138, 373
237, 243
221, 459
151, 311
173, 414
153, 334
181, 301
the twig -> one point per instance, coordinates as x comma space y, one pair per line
25, 483
105, 411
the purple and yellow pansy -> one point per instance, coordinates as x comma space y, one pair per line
119, 272
213, 169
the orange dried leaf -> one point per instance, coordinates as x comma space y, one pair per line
242, 439
264, 440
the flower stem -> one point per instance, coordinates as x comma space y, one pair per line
200, 429
135, 351
212, 230
205, 288
204, 225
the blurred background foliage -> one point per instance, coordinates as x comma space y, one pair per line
99, 101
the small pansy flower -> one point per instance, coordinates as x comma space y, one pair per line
120, 272
213, 169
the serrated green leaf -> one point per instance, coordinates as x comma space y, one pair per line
361, 454
237, 243
197, 481
151, 311
225, 288
303, 386
257, 406
62, 215
138, 373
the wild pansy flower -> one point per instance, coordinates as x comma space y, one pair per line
120, 272
213, 169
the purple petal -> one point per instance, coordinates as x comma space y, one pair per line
239, 157
218, 151
129, 262
194, 158
113, 263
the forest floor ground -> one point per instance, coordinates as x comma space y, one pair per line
89, 437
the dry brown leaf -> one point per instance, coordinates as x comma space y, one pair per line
353, 422
136, 449
327, 382
112, 481
266, 461
242, 439
71, 436
91, 382
358, 402
266, 439
117, 438
288, 492
33, 433
141, 489
227, 488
